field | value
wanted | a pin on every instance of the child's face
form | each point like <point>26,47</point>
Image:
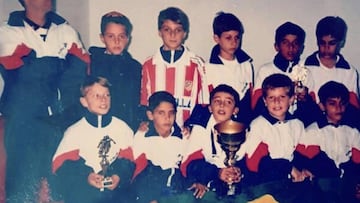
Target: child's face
<point>163,118</point>
<point>329,47</point>
<point>277,101</point>
<point>97,99</point>
<point>222,106</point>
<point>289,47</point>
<point>115,38</point>
<point>39,5</point>
<point>334,108</point>
<point>229,42</point>
<point>172,35</point>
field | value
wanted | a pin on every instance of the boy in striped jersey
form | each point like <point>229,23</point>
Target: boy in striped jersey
<point>173,67</point>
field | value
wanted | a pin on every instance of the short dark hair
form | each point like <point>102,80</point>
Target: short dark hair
<point>117,18</point>
<point>331,25</point>
<point>22,3</point>
<point>90,81</point>
<point>161,96</point>
<point>275,81</point>
<point>224,22</point>
<point>333,89</point>
<point>227,89</point>
<point>289,28</point>
<point>174,14</point>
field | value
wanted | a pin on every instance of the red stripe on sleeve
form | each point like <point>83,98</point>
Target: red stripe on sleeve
<point>354,99</point>
<point>255,97</point>
<point>194,156</point>
<point>310,151</point>
<point>15,60</point>
<point>78,52</point>
<point>59,160</point>
<point>126,154</point>
<point>355,155</point>
<point>140,165</point>
<point>313,95</point>
<point>147,81</point>
<point>253,161</point>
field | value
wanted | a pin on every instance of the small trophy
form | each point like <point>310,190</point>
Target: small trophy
<point>104,147</point>
<point>231,135</point>
<point>298,75</point>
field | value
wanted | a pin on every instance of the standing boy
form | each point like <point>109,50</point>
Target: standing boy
<point>332,145</point>
<point>77,162</point>
<point>159,151</point>
<point>44,63</point>
<point>229,64</point>
<point>289,44</point>
<point>116,64</point>
<point>174,68</point>
<point>327,63</point>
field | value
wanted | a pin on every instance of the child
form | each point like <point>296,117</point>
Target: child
<point>327,63</point>
<point>116,64</point>
<point>289,44</point>
<point>76,163</point>
<point>174,68</point>
<point>333,144</point>
<point>159,150</point>
<point>42,62</point>
<point>271,141</point>
<point>229,64</point>
<point>204,164</point>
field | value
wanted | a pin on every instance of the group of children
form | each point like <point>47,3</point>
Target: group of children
<point>157,120</point>
<point>296,149</point>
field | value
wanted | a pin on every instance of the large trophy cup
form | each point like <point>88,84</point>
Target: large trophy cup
<point>104,147</point>
<point>230,135</point>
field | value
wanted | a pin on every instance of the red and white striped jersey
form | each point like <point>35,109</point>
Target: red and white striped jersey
<point>184,79</point>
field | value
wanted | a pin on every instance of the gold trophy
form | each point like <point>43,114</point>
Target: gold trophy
<point>104,147</point>
<point>231,135</point>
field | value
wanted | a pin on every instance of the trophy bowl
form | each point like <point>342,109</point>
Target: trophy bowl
<point>230,135</point>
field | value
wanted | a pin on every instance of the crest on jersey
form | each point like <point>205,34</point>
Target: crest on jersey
<point>188,85</point>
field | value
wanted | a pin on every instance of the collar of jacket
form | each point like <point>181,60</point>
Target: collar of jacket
<point>152,131</point>
<point>323,122</point>
<point>240,55</point>
<point>283,64</point>
<point>101,51</point>
<point>273,120</point>
<point>313,60</point>
<point>17,18</point>
<point>96,120</point>
<point>166,54</point>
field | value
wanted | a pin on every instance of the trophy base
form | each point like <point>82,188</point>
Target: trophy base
<point>107,182</point>
<point>226,190</point>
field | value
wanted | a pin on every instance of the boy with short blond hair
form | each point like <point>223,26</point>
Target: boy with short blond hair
<point>271,142</point>
<point>77,162</point>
